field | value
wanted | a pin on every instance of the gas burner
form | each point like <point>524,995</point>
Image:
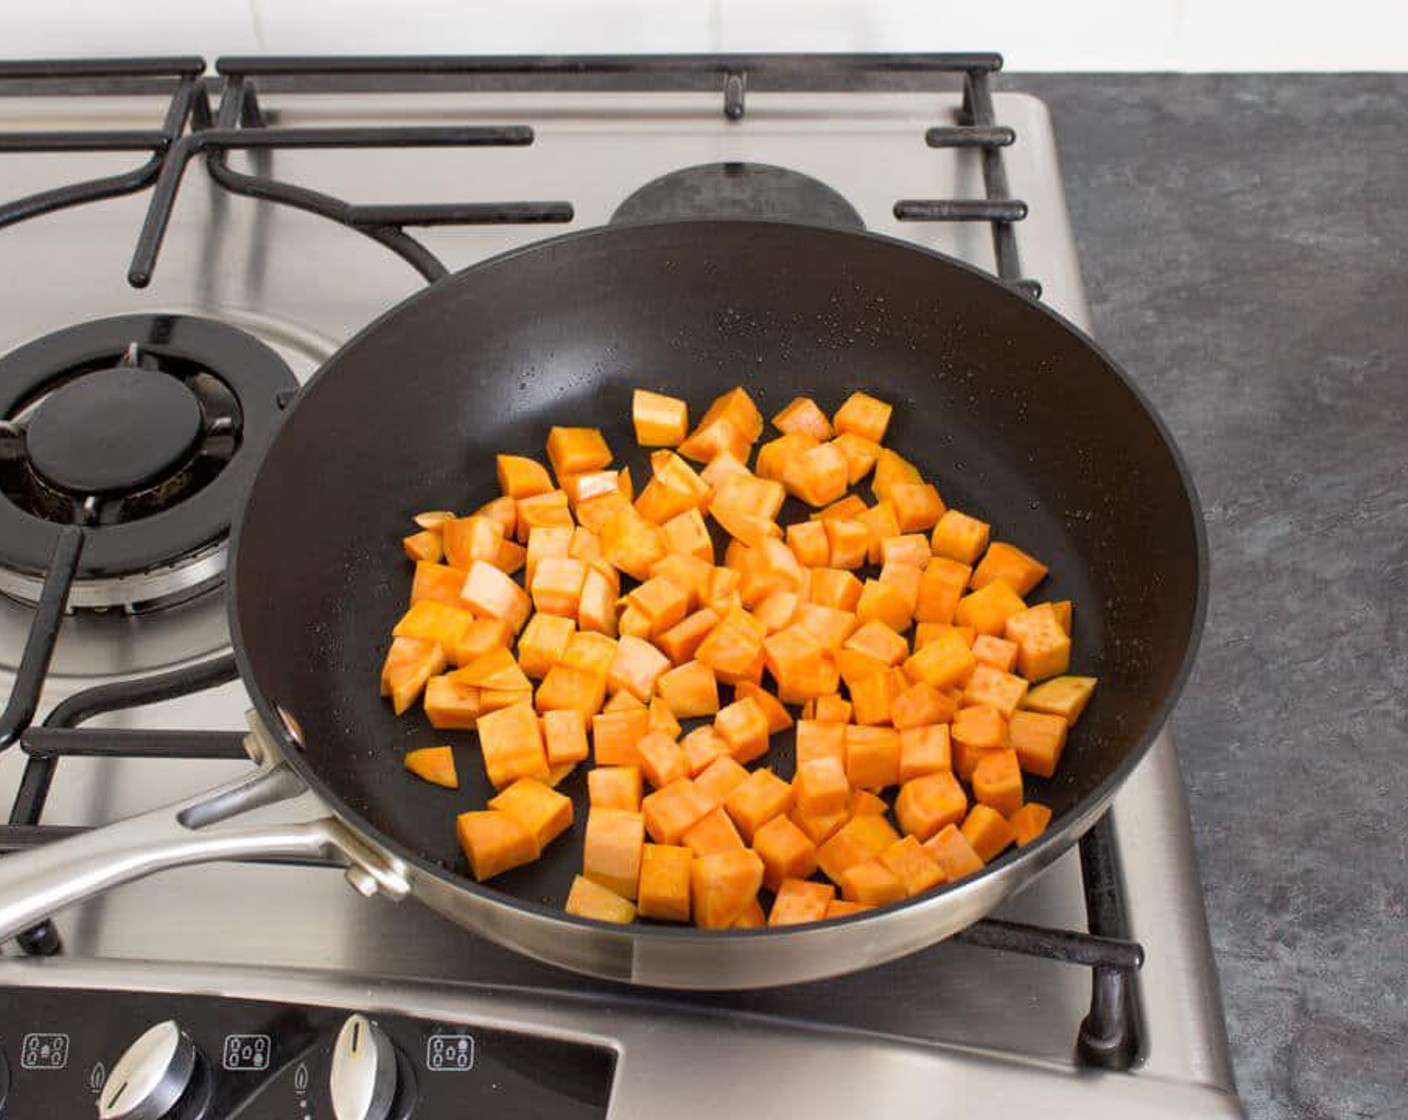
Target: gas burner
<point>739,190</point>
<point>143,428</point>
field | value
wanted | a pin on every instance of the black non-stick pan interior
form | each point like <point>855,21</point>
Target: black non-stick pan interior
<point>1018,419</point>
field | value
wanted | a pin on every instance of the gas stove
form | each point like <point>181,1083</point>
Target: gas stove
<point>229,230</point>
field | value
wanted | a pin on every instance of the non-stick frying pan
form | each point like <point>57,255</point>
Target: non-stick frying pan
<point>1020,419</point>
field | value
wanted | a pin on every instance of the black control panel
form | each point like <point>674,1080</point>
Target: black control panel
<point>273,1061</point>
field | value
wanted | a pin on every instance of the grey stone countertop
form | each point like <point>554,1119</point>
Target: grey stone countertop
<point>1244,243</point>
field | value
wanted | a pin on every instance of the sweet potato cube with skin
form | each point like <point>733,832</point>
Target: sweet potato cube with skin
<point>545,541</point>
<point>925,804</point>
<point>858,840</point>
<point>438,623</point>
<point>631,543</point>
<point>803,415</point>
<point>521,477</point>
<point>954,855</point>
<point>511,742</point>
<point>809,543</point>
<point>818,476</point>
<point>940,590</point>
<point>687,533</point>
<point>743,725</point>
<point>820,740</point>
<point>892,468</point>
<point>659,421</point>
<point>1038,738</point>
<point>777,716</point>
<point>435,765</point>
<point>849,543</point>
<point>832,709</point>
<point>493,843</point>
<point>612,850</point>
<point>425,546</point>
<point>819,827</point>
<point>615,735</point>
<point>490,593</point>
<point>665,882</point>
<point>1008,563</point>
<point>922,704</point>
<point>774,455</point>
<point>860,454</point>
<point>550,509</point>
<point>918,506</point>
<point>786,852</point>
<point>994,689</point>
<point>438,583</point>
<point>571,688</point>
<point>1043,644</point>
<point>910,549</point>
<point>544,812</point>
<point>866,416</point>
<point>673,811</point>
<point>573,450</point>
<point>886,602</point>
<point>680,642</point>
<point>907,860</point>
<point>565,737</point>
<point>661,759</point>
<point>756,800</point>
<point>943,663</point>
<point>848,508</point>
<point>987,831</point>
<point>467,539</point>
<point>615,787</point>
<point>636,667</point>
<point>997,781</point>
<point>543,643</point>
<point>820,787</point>
<point>879,641</point>
<point>959,537</point>
<point>872,697</point>
<point>1029,822</point>
<point>924,750</point>
<point>713,832</point>
<point>997,652</point>
<point>800,901</point>
<point>591,900</point>
<point>722,886</point>
<point>1061,696</point>
<point>880,525</point>
<point>504,510</point>
<point>872,757</point>
<point>691,690</point>
<point>409,664</point>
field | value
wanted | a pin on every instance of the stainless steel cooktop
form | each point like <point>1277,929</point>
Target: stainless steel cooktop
<point>955,1023</point>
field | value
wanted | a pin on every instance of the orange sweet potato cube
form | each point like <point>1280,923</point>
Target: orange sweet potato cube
<point>433,520</point>
<point>855,667</point>
<point>494,842</point>
<point>433,764</point>
<point>943,663</point>
<point>994,689</point>
<point>886,602</point>
<point>786,852</point>
<point>636,667</point>
<point>545,541</point>
<point>1038,738</point>
<point>924,750</point>
<point>773,456</point>
<point>664,886</point>
<point>890,469</point>
<point>691,690</point>
<point>1043,644</point>
<point>980,728</point>
<point>809,543</point>
<point>521,477</point>
<point>1008,563</point>
<point>686,533</point>
<point>681,641</point>
<point>832,708</point>
<point>880,525</point>
<point>733,649</point>
<point>467,539</point>
<point>511,558</point>
<point>631,543</point>
<point>541,510</point>
<point>504,510</point>
<point>921,704</point>
<point>905,578</point>
<point>871,883</point>
<point>615,735</point>
<point>997,781</point>
<point>712,439</point>
<point>879,641</point>
<point>612,850</point>
<point>927,632</point>
<point>831,627</point>
<point>988,831</point>
<point>818,475</point>
<point>659,421</point>
<point>573,450</point>
<point>592,484</point>
<point>940,589</point>
<point>821,787</point>
<point>872,757</point>
<point>822,826</point>
<point>586,899</point>
<point>777,716</point>
<point>691,574</point>
<point>661,759</point>
<point>1063,610</point>
<point>743,725</point>
<point>723,884</point>
<point>1029,822</point>
<point>713,832</point>
<point>490,593</point>
<point>424,547</point>
<point>864,803</point>
<point>543,642</point>
<point>799,901</point>
<point>701,747</point>
<point>571,687</point>
<point>410,663</point>
<point>959,537</point>
<point>720,778</point>
<point>511,742</point>
<point>544,812</point>
<point>918,506</point>
<point>431,621</point>
<point>907,860</point>
<point>911,549</point>
<point>860,453</point>
<point>1061,696</point>
<point>951,850</point>
<point>751,916</point>
<point>873,697</point>
<point>565,737</point>
<point>840,908</point>
<point>756,800</point>
<point>594,513</point>
<point>777,611</point>
<point>614,787</point>
<point>452,705</point>
<point>557,585</point>
<point>848,508</point>
<point>864,415</point>
<point>820,740</point>
<point>439,583</point>
<point>496,669</point>
<point>484,636</point>
<point>835,588</point>
<point>997,652</point>
<point>927,803</point>
<point>848,543</point>
<point>673,811</point>
<point>662,601</point>
<point>659,502</point>
<point>815,677</point>
<point>803,415</point>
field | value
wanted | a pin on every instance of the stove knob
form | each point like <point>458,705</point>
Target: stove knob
<point>151,1077</point>
<point>364,1076</point>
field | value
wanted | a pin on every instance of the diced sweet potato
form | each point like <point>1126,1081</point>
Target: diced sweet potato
<point>1063,609</point>
<point>409,664</point>
<point>777,716</point>
<point>431,621</point>
<point>835,588</point>
<point>995,689</point>
<point>691,574</point>
<point>621,702</point>
<point>483,637</point>
<point>987,831</point>
<point>756,800</point>
<point>701,747</point>
<point>660,502</point>
<point>631,543</point>
<point>1061,696</point>
<point>544,812</point>
<point>691,690</point>
<point>981,728</point>
<point>809,543</point>
<point>545,541</point>
<point>512,745</point>
<point>468,539</point>
<point>573,450</point>
<point>1043,644</point>
<point>886,602</point>
<point>871,883</point>
<point>661,759</point>
<point>752,916</point>
<point>433,764</point>
<point>565,736</point>
<point>864,415</point>
<point>860,454</point>
<point>922,704</point>
<point>665,882</point>
<point>452,705</point>
<point>940,590</point>
<point>595,513</point>
<point>439,583</point>
<point>1038,738</point>
<point>713,832</point>
<point>774,455</point>
<point>1008,563</point>
<point>591,900</point>
<point>504,510</point>
<point>496,669</point>
<point>743,725</point>
<point>816,739</point>
<point>799,901</point>
<point>433,519</point>
<point>682,641</point>
<point>777,611</point>
<point>541,510</point>
<point>615,735</point>
<point>873,696</point>
<point>494,842</point>
<point>832,708</point>
<point>840,908</point>
<point>686,533</point>
<point>723,884</point>
<point>848,543</point>
<point>659,421</point>
<point>819,827</point>
<point>907,860</point>
<point>424,547</point>
<point>521,477</point>
<point>489,592</point>
<point>732,649</point>
<point>636,668</point>
<point>673,811</point>
<point>1029,822</point>
<point>592,484</point>
<point>818,476</point>
<point>953,853</point>
<point>848,508</point>
<point>821,787</point>
<point>872,757</point>
<point>543,643</point>
<point>890,469</point>
<point>570,687</point>
<point>879,640</point>
<point>803,415</point>
<point>924,750</point>
<point>927,803</point>
<point>943,663</point>
<point>786,851</point>
<point>615,787</point>
<point>997,652</point>
<point>959,537</point>
<point>864,803</point>
<point>997,781</point>
<point>612,849</point>
<point>918,506</point>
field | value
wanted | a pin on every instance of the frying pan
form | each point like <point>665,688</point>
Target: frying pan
<point>1020,419</point>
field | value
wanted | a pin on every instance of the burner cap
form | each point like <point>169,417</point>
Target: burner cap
<point>739,190</point>
<point>115,430</point>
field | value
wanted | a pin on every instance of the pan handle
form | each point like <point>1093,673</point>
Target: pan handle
<point>35,884</point>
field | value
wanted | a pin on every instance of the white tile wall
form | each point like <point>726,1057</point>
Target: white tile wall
<point>1032,34</point>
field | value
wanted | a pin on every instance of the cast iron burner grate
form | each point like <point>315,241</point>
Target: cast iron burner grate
<point>145,430</point>
<point>1109,1036</point>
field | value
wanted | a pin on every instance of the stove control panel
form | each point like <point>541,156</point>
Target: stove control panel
<point>154,1056</point>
